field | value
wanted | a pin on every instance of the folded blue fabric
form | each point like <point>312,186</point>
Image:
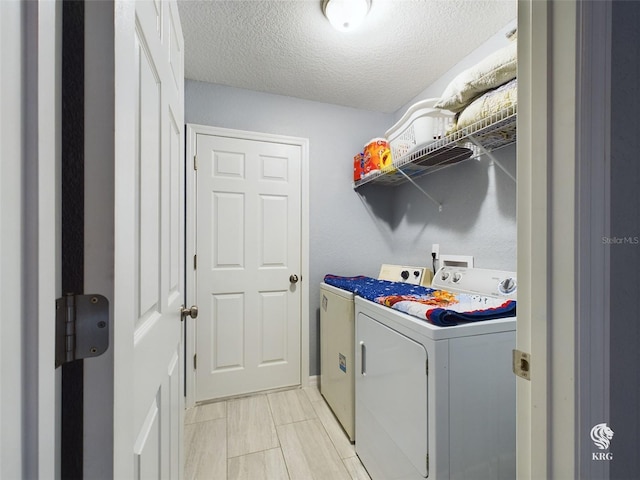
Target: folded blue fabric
<point>447,318</point>
<point>372,288</point>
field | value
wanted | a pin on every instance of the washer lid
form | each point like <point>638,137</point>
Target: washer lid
<point>336,291</point>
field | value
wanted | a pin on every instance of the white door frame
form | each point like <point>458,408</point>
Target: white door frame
<point>563,213</point>
<point>34,455</point>
<point>593,215</point>
<point>29,240</point>
<point>99,207</point>
<point>192,131</point>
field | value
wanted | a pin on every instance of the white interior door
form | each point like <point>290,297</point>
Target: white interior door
<point>248,333</point>
<point>149,240</point>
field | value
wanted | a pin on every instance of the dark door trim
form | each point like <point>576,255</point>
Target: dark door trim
<point>72,247</point>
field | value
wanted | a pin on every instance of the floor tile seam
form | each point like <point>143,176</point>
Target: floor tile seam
<point>358,459</point>
<point>196,424</point>
<point>245,397</point>
<point>306,392</point>
<point>338,450</point>
<point>202,405</point>
<point>273,418</point>
<point>268,407</point>
<point>205,403</point>
<point>310,456</point>
<point>331,444</point>
<point>205,420</point>
<point>286,466</point>
<point>302,453</point>
<point>288,422</point>
<point>347,469</point>
<point>257,451</point>
<point>270,414</point>
<point>226,441</point>
<point>300,421</point>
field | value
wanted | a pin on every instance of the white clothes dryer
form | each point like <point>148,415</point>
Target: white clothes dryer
<point>437,402</point>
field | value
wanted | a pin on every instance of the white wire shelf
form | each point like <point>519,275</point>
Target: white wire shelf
<point>484,136</point>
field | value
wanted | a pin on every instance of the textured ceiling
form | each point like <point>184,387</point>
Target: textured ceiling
<point>288,47</point>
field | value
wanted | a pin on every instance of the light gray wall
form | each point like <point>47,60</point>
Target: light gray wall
<point>347,236</point>
<point>353,232</point>
<point>478,214</point>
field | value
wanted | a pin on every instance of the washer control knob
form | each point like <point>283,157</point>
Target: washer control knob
<point>444,275</point>
<point>507,286</point>
<point>456,277</point>
<point>404,274</point>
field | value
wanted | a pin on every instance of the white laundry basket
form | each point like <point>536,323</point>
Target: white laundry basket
<point>421,125</point>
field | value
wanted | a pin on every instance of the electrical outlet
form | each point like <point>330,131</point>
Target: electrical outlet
<point>435,248</point>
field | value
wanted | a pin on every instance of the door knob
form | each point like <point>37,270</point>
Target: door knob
<point>293,278</point>
<point>188,312</point>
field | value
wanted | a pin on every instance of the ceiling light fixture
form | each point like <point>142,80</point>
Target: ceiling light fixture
<point>345,15</point>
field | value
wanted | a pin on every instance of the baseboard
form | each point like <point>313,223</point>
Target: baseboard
<point>314,380</point>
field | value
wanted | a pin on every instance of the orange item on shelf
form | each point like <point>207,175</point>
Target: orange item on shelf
<point>377,155</point>
<point>358,161</point>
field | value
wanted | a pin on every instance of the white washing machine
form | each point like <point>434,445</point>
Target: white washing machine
<point>337,337</point>
<point>437,402</point>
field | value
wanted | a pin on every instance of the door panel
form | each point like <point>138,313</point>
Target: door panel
<point>248,245</point>
<point>227,232</point>
<point>149,250</point>
<point>273,308</point>
<point>149,174</point>
<point>227,335</point>
<point>273,218</point>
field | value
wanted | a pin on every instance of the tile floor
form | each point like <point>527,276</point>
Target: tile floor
<point>290,434</point>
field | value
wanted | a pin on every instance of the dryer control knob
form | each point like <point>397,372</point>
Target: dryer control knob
<point>507,286</point>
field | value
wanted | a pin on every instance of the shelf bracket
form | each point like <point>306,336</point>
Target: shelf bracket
<point>421,189</point>
<point>482,151</point>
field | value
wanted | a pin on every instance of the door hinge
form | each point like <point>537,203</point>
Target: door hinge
<point>195,262</point>
<point>195,162</point>
<point>82,327</point>
<point>522,364</point>
<point>427,463</point>
<point>426,367</point>
<point>195,361</point>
